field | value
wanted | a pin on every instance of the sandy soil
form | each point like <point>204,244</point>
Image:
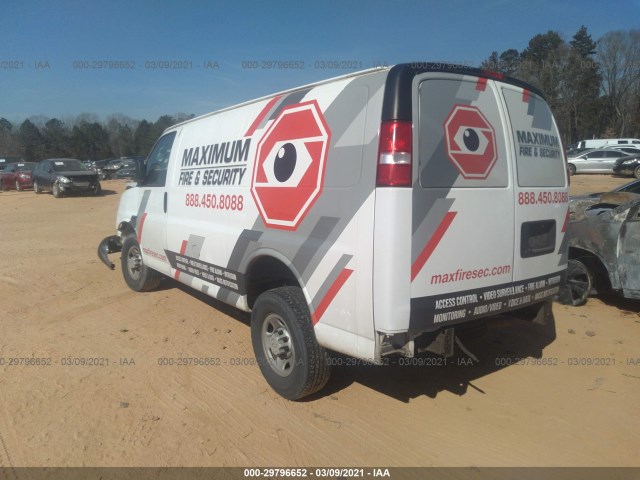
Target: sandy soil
<point>60,303</point>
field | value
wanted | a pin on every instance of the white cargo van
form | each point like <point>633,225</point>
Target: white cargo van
<point>369,214</point>
<point>603,142</point>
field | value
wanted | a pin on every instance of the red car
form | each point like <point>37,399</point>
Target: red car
<point>17,175</point>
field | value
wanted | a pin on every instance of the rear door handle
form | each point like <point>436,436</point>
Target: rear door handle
<point>165,202</point>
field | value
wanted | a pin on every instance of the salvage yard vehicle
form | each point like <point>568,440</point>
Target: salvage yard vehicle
<point>629,165</point>
<point>600,160</point>
<point>17,175</point>
<point>370,214</point>
<point>604,247</point>
<point>631,187</point>
<point>114,166</point>
<point>6,160</point>
<point>601,142</point>
<point>63,176</point>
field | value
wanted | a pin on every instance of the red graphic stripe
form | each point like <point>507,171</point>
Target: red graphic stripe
<point>256,123</point>
<point>566,221</point>
<point>525,95</point>
<point>481,84</point>
<point>331,294</point>
<point>183,248</point>
<point>432,244</point>
<point>142,219</point>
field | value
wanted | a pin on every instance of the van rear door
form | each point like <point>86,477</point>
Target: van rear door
<point>489,200</point>
<point>463,200</point>
<point>541,194</point>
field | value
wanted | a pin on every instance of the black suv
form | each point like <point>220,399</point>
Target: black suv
<point>65,175</point>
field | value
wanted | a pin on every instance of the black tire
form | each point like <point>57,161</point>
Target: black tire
<point>285,345</point>
<point>572,169</point>
<point>18,186</point>
<point>138,276</point>
<point>579,284</point>
<point>97,190</point>
<point>636,172</point>
<point>56,190</point>
<point>3,187</point>
<point>36,188</point>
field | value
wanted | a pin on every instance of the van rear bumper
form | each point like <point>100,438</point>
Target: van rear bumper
<point>432,313</point>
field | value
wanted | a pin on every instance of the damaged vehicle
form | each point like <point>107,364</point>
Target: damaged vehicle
<point>604,247</point>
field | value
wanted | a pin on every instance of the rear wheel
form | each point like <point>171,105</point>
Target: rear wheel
<point>636,172</point>
<point>36,187</point>
<point>138,276</point>
<point>3,187</point>
<point>285,345</point>
<point>579,284</point>
<point>572,169</point>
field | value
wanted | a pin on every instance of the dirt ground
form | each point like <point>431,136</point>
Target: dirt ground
<point>60,304</point>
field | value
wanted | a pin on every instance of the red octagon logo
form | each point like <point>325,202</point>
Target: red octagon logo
<point>471,142</point>
<point>288,172</point>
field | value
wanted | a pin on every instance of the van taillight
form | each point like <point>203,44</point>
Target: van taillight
<point>394,158</point>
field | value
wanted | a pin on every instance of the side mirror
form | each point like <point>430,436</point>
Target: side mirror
<point>141,170</point>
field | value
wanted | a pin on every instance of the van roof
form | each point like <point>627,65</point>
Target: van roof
<point>399,79</point>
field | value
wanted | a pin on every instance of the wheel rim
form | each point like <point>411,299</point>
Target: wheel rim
<point>277,345</point>
<point>578,282</point>
<point>134,263</point>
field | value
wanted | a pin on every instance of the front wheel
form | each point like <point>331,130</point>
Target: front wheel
<point>636,172</point>
<point>572,169</point>
<point>97,189</point>
<point>36,187</point>
<point>285,345</point>
<point>3,187</point>
<point>138,276</point>
<point>18,186</point>
<point>56,190</point>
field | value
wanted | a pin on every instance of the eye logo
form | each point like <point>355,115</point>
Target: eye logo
<point>470,142</point>
<point>286,163</point>
<point>288,172</point>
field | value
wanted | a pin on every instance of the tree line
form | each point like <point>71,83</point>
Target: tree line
<point>83,137</point>
<point>592,87</point>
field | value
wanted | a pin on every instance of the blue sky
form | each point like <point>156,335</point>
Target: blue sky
<point>63,36</point>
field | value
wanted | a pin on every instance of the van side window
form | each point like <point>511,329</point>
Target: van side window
<point>158,161</point>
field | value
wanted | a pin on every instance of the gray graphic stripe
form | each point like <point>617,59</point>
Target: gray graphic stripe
<point>194,248</point>
<point>237,256</point>
<point>314,242</point>
<point>331,278</point>
<point>290,99</point>
<point>142,207</point>
<point>429,224</point>
<point>240,249</point>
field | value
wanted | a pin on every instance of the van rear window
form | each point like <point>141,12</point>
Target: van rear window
<point>539,157</point>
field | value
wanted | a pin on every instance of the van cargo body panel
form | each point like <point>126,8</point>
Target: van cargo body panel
<point>356,213</point>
